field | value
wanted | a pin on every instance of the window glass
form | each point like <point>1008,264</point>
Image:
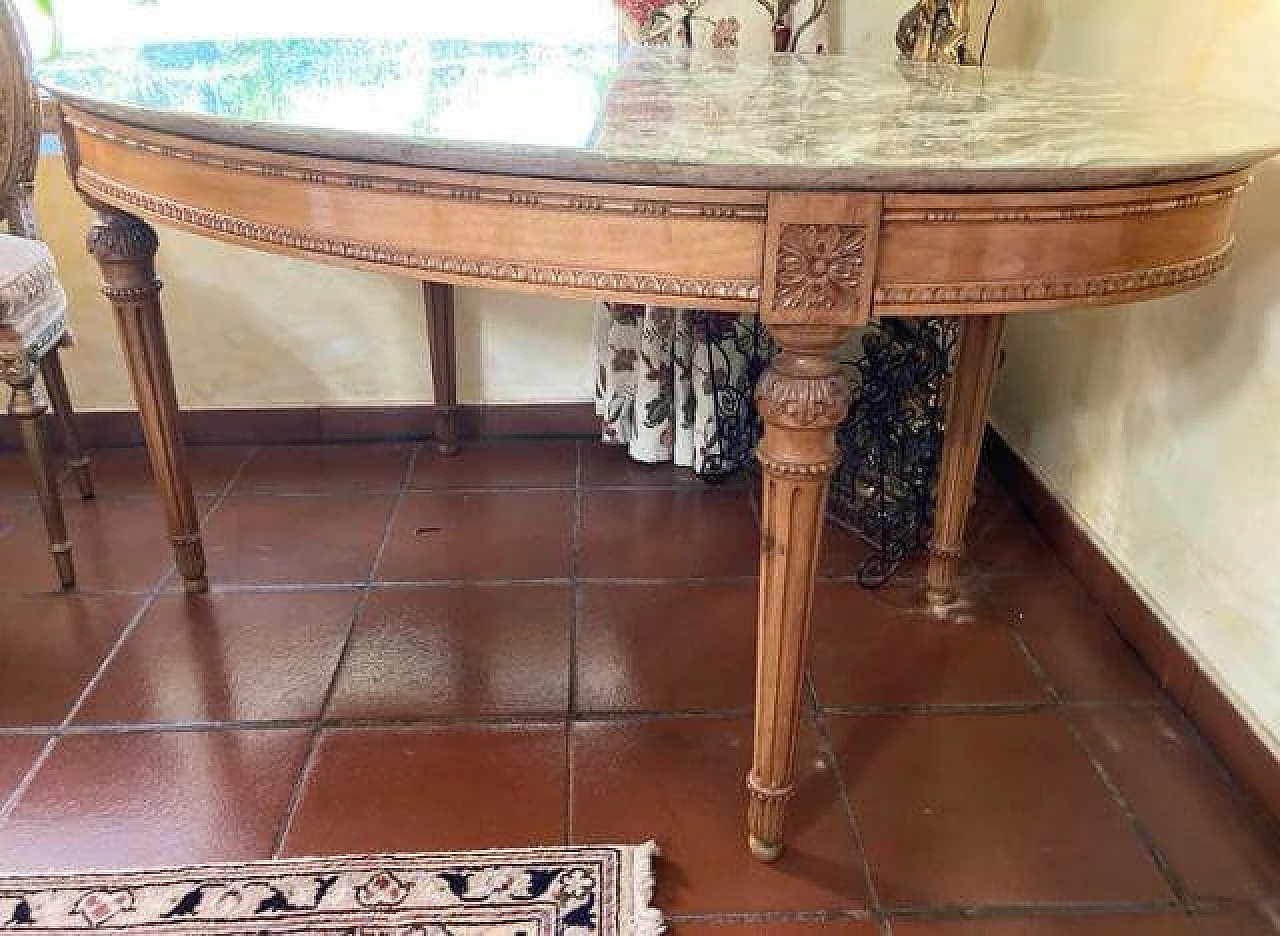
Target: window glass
<point>86,24</point>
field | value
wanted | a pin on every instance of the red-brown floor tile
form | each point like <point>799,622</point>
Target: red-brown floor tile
<point>225,657</point>
<point>142,799</point>
<point>666,647</point>
<point>479,535</point>
<point>115,544</point>
<point>325,469</point>
<point>17,755</point>
<point>515,463</point>
<point>290,540</point>
<point>843,552</point>
<point>1167,924</point>
<point>433,789</point>
<point>965,810</point>
<point>50,646</point>
<point>774,928</point>
<point>606,464</point>
<point>486,650</point>
<point>867,653</point>
<point>1260,920</point>
<point>687,533</point>
<point>1084,656</point>
<point>125,472</point>
<point>1003,544</point>
<point>681,782</point>
<point>15,476</point>
<point>1216,844</point>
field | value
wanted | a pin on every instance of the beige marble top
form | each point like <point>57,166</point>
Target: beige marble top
<point>593,112</point>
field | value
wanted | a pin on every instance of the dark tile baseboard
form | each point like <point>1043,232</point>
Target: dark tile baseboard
<point>1245,754</point>
<point>301,425</point>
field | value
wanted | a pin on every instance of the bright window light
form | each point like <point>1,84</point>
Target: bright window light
<point>85,24</point>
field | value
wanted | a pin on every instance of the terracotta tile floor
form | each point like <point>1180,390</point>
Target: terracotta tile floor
<point>540,642</point>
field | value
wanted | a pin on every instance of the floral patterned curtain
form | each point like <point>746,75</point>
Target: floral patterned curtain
<point>654,375</point>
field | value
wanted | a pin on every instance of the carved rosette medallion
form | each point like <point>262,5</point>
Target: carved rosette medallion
<point>820,268</point>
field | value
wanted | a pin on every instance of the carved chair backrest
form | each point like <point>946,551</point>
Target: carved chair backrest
<point>19,123</point>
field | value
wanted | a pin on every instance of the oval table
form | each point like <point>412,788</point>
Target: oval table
<point>821,192</point>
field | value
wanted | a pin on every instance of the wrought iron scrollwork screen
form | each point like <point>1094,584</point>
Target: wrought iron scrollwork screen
<point>890,442</point>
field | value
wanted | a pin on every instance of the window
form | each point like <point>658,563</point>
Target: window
<point>84,24</point>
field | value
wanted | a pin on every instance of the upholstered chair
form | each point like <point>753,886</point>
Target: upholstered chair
<point>33,322</point>
<point>654,386</point>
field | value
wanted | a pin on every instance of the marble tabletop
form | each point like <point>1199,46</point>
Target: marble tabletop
<point>596,112</point>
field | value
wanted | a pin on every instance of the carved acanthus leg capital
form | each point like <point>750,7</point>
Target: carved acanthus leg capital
<point>802,399</point>
<point>125,248</point>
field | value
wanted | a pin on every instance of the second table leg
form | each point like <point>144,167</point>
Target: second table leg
<point>968,400</point>
<point>437,298</point>
<point>125,248</point>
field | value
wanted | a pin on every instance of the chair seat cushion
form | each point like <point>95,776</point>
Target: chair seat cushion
<point>33,306</point>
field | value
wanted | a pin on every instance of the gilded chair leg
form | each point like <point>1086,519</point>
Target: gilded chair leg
<point>55,383</point>
<point>29,406</point>
<point>802,398</point>
<point>968,400</point>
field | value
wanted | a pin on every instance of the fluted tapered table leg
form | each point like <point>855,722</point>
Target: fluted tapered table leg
<point>437,300</point>
<point>802,398</point>
<point>125,248</point>
<point>968,400</point>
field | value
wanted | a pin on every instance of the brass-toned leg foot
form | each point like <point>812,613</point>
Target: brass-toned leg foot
<point>941,583</point>
<point>447,431</point>
<point>188,552</point>
<point>766,853</point>
<point>66,568</point>
<point>198,586</point>
<point>84,480</point>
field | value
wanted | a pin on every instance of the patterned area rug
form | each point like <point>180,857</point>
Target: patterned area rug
<point>587,891</point>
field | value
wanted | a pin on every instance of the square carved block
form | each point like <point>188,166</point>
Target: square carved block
<point>820,253</point>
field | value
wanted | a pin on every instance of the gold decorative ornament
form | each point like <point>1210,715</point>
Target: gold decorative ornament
<point>935,31</point>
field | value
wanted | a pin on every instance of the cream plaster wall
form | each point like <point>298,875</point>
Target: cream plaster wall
<point>248,329</point>
<point>1157,425</point>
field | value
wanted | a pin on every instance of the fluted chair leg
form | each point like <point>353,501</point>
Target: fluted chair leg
<point>55,382</point>
<point>29,406</point>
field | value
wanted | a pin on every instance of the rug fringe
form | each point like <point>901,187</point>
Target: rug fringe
<point>646,920</point>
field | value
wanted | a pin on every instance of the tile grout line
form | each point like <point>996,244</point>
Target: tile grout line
<point>1065,714</point>
<point>148,601</point>
<point>1053,911</point>
<point>819,720</point>
<point>1173,880</point>
<point>318,723</point>
<point>575,610</point>
<point>771,916</point>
